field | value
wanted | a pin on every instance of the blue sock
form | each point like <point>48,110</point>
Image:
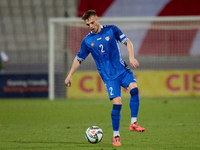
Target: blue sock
<point>134,102</point>
<point>115,115</point>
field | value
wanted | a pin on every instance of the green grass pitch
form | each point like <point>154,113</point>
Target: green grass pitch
<point>40,124</point>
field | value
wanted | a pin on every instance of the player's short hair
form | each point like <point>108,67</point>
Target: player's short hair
<point>88,14</point>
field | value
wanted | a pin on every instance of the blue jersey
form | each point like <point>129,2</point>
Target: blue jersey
<point>105,51</point>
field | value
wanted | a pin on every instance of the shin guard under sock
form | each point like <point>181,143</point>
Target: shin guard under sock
<point>134,102</point>
<point>115,115</point>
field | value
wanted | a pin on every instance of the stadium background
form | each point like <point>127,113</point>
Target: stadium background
<point>24,30</point>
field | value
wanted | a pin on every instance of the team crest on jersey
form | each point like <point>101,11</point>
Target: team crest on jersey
<point>92,44</point>
<point>107,38</point>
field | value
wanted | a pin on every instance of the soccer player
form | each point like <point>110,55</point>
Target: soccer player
<point>102,44</point>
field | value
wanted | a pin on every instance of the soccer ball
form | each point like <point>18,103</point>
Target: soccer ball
<point>94,134</point>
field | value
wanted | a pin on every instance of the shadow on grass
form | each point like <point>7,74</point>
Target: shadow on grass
<point>77,144</point>
<point>45,142</point>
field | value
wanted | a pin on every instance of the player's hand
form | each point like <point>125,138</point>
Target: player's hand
<point>134,63</point>
<point>68,81</point>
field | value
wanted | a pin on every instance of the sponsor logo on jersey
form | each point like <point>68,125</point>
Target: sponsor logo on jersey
<point>99,39</point>
<point>92,44</point>
<point>107,38</point>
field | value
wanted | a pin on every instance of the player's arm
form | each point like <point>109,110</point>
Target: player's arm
<point>133,62</point>
<point>76,63</point>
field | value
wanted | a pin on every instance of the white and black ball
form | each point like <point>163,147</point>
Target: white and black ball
<point>94,134</point>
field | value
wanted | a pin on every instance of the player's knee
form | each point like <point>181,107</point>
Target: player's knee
<point>131,86</point>
<point>117,100</point>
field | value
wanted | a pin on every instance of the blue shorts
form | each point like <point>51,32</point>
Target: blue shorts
<point>114,86</point>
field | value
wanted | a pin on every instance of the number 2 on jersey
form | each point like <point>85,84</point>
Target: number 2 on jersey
<point>111,90</point>
<point>101,46</point>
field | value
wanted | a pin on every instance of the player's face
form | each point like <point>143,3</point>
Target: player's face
<point>93,23</point>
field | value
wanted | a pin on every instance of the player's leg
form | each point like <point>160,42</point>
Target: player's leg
<point>134,106</point>
<point>129,82</point>
<point>116,116</point>
<point>114,92</point>
<point>134,101</point>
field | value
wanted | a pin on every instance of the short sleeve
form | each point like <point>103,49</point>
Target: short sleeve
<point>83,52</point>
<point>120,36</point>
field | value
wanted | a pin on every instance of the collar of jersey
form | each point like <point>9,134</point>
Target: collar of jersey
<point>96,33</point>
